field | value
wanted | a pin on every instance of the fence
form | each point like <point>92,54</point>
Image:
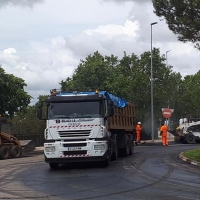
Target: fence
<point>38,138</point>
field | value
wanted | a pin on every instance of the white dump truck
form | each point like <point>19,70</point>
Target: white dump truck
<point>86,126</point>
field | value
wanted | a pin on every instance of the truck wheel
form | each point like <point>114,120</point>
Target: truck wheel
<point>115,153</point>
<point>131,145</point>
<point>190,138</point>
<point>106,162</point>
<point>15,151</point>
<point>53,166</point>
<point>127,148</point>
<point>4,152</point>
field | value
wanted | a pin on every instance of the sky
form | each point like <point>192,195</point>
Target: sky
<point>43,41</point>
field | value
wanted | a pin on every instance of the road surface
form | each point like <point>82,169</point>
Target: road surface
<point>153,173</point>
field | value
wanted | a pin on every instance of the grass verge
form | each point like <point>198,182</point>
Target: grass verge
<point>193,154</point>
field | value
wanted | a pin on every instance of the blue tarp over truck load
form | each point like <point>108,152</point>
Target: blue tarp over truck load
<point>118,102</point>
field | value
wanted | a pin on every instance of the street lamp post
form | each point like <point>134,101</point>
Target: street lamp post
<point>166,57</point>
<point>167,121</point>
<point>152,114</point>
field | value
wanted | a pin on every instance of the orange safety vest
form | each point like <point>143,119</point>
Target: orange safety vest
<point>164,129</point>
<point>138,127</point>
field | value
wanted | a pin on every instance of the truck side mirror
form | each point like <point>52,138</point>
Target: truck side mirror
<point>110,103</point>
<point>110,111</point>
<point>40,105</point>
<point>39,110</point>
<point>39,113</point>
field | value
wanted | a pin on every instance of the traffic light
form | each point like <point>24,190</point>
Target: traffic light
<point>180,88</point>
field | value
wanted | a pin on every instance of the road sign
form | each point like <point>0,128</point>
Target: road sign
<point>167,112</point>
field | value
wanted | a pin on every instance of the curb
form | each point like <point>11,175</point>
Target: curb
<point>182,157</point>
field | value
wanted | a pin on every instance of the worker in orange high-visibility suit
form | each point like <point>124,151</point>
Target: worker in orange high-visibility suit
<point>163,132</point>
<point>138,132</point>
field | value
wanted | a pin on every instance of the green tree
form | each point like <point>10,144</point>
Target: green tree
<point>26,122</point>
<point>182,17</point>
<point>191,93</point>
<point>13,97</point>
<point>95,72</point>
<point>136,86</point>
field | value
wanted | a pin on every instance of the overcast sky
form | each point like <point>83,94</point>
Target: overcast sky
<point>42,41</point>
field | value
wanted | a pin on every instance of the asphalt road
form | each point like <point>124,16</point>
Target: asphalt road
<point>153,173</point>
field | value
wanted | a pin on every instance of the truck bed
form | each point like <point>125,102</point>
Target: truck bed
<point>123,118</point>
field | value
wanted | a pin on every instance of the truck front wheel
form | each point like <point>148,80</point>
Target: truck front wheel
<point>53,166</point>
<point>115,149</point>
<point>127,145</point>
<point>131,145</point>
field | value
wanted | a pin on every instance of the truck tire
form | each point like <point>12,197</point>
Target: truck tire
<point>4,152</point>
<point>190,138</point>
<point>131,145</point>
<point>127,146</point>
<point>106,163</point>
<point>15,151</point>
<point>115,153</point>
<point>53,166</point>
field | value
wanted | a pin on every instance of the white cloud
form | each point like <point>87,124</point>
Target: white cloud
<point>112,30</point>
<point>43,67</point>
<point>9,51</point>
<point>20,2</point>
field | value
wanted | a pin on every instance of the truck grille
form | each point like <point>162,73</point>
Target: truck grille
<point>74,133</point>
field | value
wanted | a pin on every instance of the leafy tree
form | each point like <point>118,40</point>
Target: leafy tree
<point>95,72</point>
<point>182,17</point>
<point>13,97</point>
<point>191,93</point>
<point>26,121</point>
<point>137,88</point>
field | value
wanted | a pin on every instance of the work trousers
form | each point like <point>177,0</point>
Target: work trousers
<point>137,136</point>
<point>164,139</point>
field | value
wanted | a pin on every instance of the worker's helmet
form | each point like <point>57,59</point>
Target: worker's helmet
<point>139,122</point>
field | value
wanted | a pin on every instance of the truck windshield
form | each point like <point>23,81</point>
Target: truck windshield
<point>72,110</point>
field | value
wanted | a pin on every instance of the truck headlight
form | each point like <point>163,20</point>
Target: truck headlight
<point>50,149</point>
<point>99,147</point>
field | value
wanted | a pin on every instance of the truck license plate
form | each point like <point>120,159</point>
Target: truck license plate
<point>74,148</point>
